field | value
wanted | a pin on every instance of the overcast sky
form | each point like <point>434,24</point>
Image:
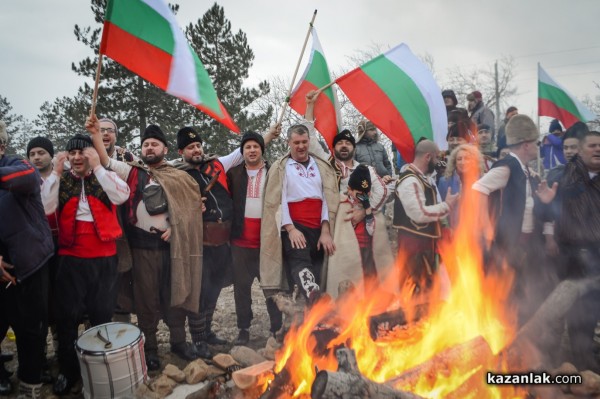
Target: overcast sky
<point>38,44</point>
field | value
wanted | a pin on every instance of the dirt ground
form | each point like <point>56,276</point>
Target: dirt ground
<point>224,325</point>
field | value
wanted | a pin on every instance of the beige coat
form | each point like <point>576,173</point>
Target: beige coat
<point>185,217</point>
<point>346,262</point>
<point>272,273</point>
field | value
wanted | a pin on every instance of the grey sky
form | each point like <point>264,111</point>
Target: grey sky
<point>38,45</point>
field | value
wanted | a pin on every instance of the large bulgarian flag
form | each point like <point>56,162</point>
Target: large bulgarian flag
<point>316,75</point>
<point>399,95</point>
<point>144,37</point>
<point>556,102</point>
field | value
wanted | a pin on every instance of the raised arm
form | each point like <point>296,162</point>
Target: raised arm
<point>92,125</point>
<point>122,169</point>
<point>273,133</point>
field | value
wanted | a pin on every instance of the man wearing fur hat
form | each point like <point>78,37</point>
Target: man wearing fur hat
<point>366,254</point>
<point>353,213</point>
<point>247,184</point>
<point>210,171</point>
<point>417,216</point>
<point>342,160</point>
<point>479,112</point>
<point>85,198</point>
<point>511,187</point>
<point>25,248</point>
<point>164,229</point>
<point>370,151</point>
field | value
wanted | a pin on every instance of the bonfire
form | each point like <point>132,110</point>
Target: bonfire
<point>433,344</point>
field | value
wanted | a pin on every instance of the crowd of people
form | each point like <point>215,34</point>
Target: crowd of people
<point>94,231</point>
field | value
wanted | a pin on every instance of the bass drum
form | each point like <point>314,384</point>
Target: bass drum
<point>112,360</point>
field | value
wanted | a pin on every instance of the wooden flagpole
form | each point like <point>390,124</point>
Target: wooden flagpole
<point>287,97</point>
<point>327,86</point>
<point>95,94</point>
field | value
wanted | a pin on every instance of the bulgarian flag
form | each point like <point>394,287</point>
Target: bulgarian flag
<point>398,94</point>
<point>144,37</point>
<point>556,102</point>
<point>327,109</point>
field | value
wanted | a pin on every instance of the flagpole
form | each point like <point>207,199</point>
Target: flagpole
<point>96,83</point>
<point>287,97</point>
<point>539,158</point>
<point>327,86</point>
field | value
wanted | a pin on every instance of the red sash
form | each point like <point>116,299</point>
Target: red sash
<point>250,237</point>
<point>306,212</point>
<point>87,244</point>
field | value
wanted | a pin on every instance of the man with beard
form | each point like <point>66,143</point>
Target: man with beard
<point>163,226</point>
<point>417,216</point>
<point>124,306</point>
<point>210,172</point>
<point>110,132</point>
<point>343,162</point>
<point>375,248</point>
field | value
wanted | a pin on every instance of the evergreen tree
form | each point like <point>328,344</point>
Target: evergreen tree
<point>227,58</point>
<point>134,103</point>
<point>15,127</point>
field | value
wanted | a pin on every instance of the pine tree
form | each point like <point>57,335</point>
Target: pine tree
<point>227,57</point>
<point>17,135</point>
<point>134,103</point>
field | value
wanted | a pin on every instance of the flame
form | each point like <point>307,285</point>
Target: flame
<point>469,307</point>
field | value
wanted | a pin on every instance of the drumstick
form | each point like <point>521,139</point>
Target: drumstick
<point>107,343</point>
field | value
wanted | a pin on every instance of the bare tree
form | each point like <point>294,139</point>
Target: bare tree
<point>483,78</point>
<point>350,115</point>
<point>593,103</point>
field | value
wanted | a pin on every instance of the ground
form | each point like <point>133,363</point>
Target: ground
<point>224,325</point>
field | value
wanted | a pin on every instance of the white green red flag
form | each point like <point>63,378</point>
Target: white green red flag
<point>144,37</point>
<point>399,95</point>
<point>316,75</point>
<point>556,102</point>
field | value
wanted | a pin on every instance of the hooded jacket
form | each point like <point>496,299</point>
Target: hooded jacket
<point>371,152</point>
<point>25,237</point>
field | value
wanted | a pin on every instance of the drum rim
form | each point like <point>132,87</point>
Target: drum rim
<point>110,351</point>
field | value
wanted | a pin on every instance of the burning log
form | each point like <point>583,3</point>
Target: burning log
<point>388,320</point>
<point>459,359</point>
<point>254,375</point>
<point>279,387</point>
<point>348,382</point>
